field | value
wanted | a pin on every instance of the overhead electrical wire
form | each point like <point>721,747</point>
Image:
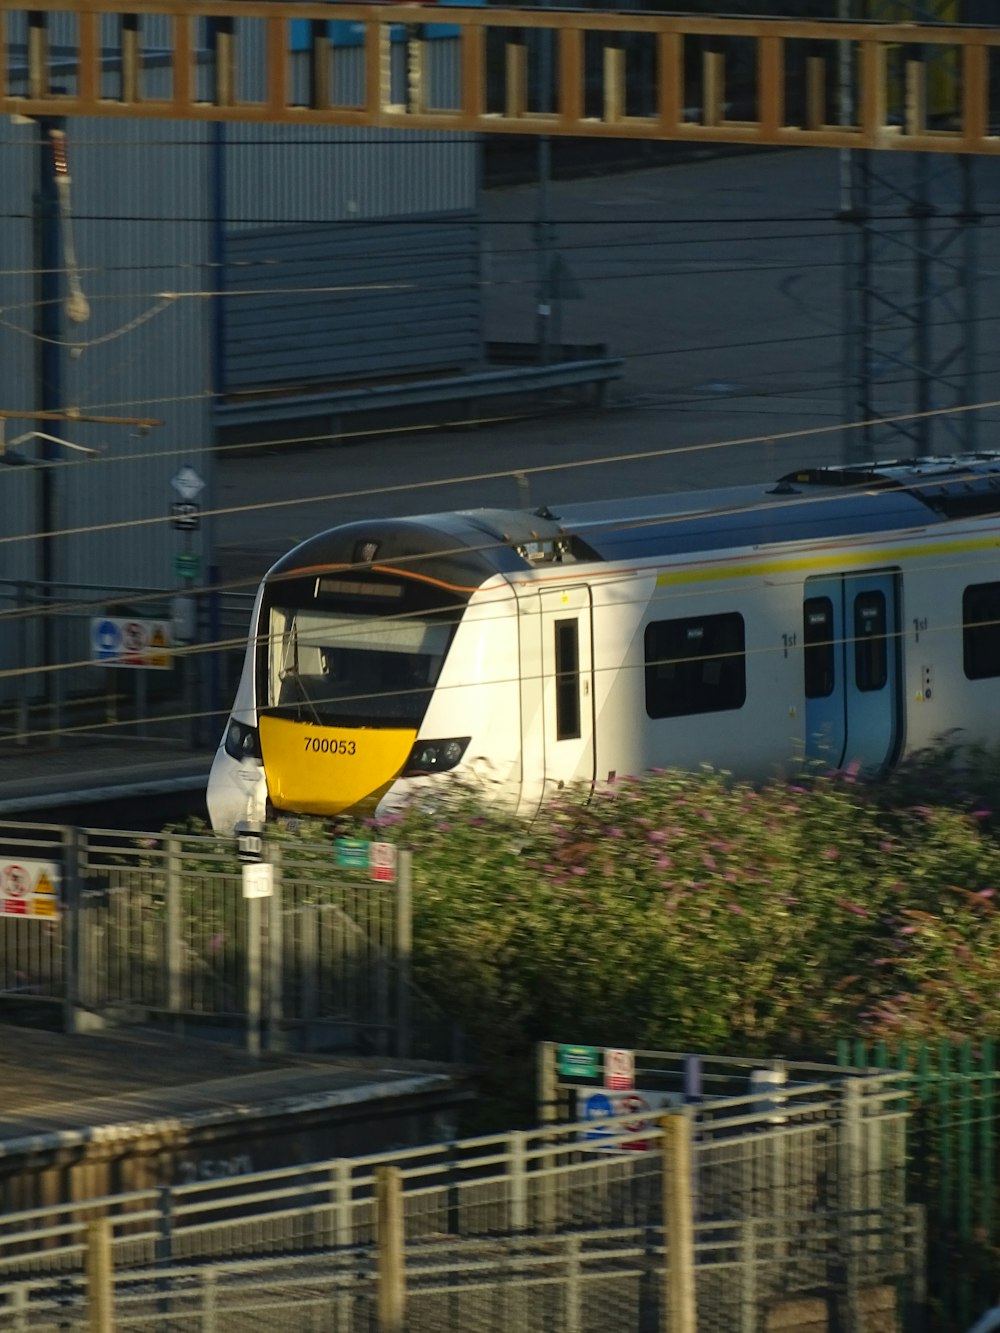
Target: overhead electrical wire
<point>529,470</point>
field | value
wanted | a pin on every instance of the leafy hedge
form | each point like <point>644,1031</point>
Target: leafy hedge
<point>694,912</point>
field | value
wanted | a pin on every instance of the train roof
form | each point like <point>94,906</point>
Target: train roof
<point>811,504</point>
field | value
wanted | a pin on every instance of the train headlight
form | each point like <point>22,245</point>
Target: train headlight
<point>242,741</point>
<point>435,756</point>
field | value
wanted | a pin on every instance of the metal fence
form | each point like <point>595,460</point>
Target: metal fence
<point>534,1229</point>
<point>51,684</point>
<point>155,929</point>
<point>954,1164</point>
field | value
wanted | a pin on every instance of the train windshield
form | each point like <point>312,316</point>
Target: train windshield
<point>353,669</point>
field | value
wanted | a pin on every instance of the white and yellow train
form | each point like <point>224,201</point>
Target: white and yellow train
<point>848,615</point>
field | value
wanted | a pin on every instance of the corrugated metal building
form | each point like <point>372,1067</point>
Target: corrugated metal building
<point>213,260</point>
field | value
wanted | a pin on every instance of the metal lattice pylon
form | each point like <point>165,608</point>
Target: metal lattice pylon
<point>910,343</point>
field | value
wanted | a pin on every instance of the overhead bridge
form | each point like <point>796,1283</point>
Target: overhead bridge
<point>517,71</point>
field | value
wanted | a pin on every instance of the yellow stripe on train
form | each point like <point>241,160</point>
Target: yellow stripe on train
<point>323,770</point>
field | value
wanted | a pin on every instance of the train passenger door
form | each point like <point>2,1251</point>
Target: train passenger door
<point>851,663</point>
<point>567,686</point>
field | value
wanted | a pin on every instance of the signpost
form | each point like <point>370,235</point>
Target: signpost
<point>185,518</point>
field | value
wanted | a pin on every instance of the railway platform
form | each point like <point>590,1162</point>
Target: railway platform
<point>48,781</point>
<point>89,1115</point>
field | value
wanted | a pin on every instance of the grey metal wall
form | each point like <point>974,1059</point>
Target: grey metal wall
<point>152,202</point>
<point>141,231</point>
<point>309,210</point>
<point>354,300</point>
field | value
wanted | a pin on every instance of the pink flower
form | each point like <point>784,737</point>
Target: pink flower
<point>735,907</point>
<point>657,836</point>
<point>830,854</point>
<point>852,907</point>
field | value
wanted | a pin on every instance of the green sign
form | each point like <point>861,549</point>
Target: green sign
<point>578,1061</point>
<point>187,565</point>
<point>351,852</point>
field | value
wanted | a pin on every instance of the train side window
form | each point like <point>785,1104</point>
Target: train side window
<point>871,660</point>
<point>567,679</point>
<point>981,630</point>
<point>695,665</point>
<point>818,651</point>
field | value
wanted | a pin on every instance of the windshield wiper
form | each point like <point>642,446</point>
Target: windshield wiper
<point>292,673</point>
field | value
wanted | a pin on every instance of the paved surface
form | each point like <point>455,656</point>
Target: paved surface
<point>58,1084</point>
<point>48,782</point>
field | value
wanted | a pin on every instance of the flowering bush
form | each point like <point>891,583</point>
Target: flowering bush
<point>693,912</point>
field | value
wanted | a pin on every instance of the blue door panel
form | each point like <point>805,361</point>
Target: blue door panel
<point>852,670</point>
<point>826,715</point>
<point>871,669</point>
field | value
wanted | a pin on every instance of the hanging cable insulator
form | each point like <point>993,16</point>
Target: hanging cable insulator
<point>77,305</point>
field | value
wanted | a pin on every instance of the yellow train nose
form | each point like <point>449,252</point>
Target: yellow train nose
<point>324,770</point>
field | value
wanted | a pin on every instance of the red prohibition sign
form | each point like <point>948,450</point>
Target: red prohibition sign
<point>16,882</point>
<point>133,637</point>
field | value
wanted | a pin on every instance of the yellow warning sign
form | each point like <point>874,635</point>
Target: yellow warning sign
<point>157,639</point>
<point>29,888</point>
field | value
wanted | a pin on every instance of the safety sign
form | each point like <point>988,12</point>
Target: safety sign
<point>597,1108</point>
<point>29,889</point>
<point>116,641</point>
<point>378,858</point>
<point>619,1068</point>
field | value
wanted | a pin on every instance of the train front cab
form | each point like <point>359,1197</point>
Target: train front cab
<point>340,678</point>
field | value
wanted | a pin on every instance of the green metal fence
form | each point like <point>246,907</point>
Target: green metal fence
<point>953,1168</point>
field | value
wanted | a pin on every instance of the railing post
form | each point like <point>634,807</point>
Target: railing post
<point>71,893</point>
<point>574,1293</point>
<point>209,1284</point>
<point>275,1034</point>
<point>391,1239</point>
<point>748,1276</point>
<point>18,1309</point>
<point>404,948</point>
<point>679,1311</point>
<point>547,1092</point>
<point>100,1284</point>
<point>547,1089</point>
<point>165,1229</point>
<point>850,1198</point>
<point>518,1219</point>
<point>165,1247</point>
<point>343,1225</point>
<point>253,997</point>
<point>173,929</point>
